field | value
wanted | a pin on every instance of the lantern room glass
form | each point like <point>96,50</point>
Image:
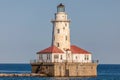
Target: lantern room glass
<point>61,8</point>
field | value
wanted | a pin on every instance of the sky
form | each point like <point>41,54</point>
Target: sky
<point>26,28</point>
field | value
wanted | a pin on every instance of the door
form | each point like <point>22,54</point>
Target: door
<point>67,73</point>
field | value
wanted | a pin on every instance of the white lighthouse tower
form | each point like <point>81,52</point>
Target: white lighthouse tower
<point>61,31</point>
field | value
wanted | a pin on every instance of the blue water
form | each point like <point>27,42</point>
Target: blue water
<point>15,68</point>
<point>105,72</point>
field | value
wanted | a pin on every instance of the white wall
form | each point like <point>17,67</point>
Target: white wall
<point>50,57</point>
<point>81,58</point>
<point>45,57</point>
<point>56,57</point>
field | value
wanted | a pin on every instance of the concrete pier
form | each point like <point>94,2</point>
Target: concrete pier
<point>65,69</point>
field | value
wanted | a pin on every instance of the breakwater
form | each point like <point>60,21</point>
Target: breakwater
<point>22,75</point>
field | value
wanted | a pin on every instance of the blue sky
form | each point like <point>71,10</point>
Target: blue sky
<point>25,28</point>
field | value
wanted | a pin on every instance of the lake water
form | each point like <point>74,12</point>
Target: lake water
<point>105,72</point>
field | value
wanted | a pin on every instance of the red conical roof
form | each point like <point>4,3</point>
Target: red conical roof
<point>51,49</point>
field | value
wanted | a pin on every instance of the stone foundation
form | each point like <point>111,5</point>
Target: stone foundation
<point>65,69</point>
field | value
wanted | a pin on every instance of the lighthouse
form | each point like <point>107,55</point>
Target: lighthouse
<point>61,49</point>
<point>61,58</point>
<point>61,30</point>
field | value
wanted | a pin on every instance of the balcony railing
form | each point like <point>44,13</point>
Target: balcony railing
<point>34,61</point>
<point>95,61</point>
<point>72,61</point>
<point>38,61</point>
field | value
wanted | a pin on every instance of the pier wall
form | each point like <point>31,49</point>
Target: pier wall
<point>66,69</point>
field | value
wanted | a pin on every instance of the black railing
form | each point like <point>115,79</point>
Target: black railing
<point>39,61</point>
<point>95,61</point>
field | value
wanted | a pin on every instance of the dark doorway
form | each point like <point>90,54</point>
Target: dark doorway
<point>67,72</point>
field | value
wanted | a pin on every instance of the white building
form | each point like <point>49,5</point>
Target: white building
<point>61,49</point>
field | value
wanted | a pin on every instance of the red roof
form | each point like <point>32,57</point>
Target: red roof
<point>75,49</point>
<point>51,49</point>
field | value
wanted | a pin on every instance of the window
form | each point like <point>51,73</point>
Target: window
<point>86,57</point>
<point>58,30</point>
<point>58,44</point>
<point>65,24</point>
<point>65,37</point>
<point>48,56</point>
<point>40,56</point>
<point>61,57</point>
<point>56,56</point>
<point>76,57</point>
